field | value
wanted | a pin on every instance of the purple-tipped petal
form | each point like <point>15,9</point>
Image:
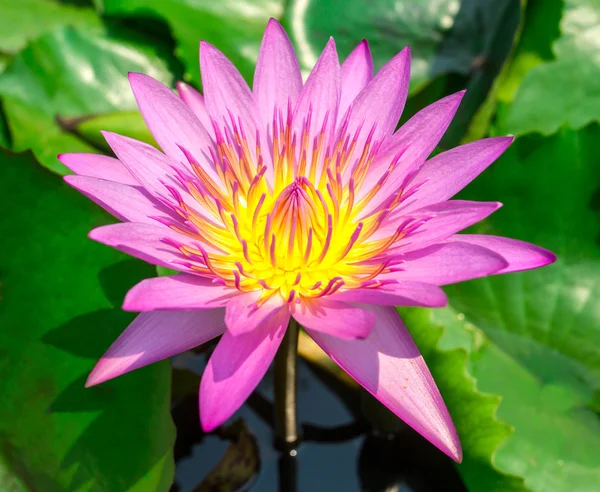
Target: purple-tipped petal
<point>235,368</point>
<point>171,122</point>
<point>519,255</point>
<point>153,169</point>
<point>181,291</point>
<point>335,318</point>
<point>321,93</point>
<point>154,336</point>
<point>98,166</point>
<point>381,102</point>
<point>277,79</point>
<point>415,140</point>
<point>445,219</point>
<point>242,315</point>
<point>388,365</point>
<point>448,263</point>
<point>195,101</point>
<point>449,172</point>
<point>226,91</point>
<point>144,241</point>
<point>127,203</point>
<point>146,164</point>
<point>357,72</point>
<point>400,294</point>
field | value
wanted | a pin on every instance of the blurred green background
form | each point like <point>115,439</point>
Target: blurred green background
<point>516,357</point>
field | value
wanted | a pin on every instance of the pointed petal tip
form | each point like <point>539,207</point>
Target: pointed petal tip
<point>96,377</point>
<point>273,23</point>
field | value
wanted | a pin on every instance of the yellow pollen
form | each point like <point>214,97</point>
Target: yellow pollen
<point>297,235</point>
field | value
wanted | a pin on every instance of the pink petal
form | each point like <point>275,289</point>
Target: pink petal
<point>169,119</point>
<point>226,91</point>
<point>153,169</point>
<point>155,336</point>
<point>144,241</point>
<point>236,367</point>
<point>147,165</point>
<point>335,318</point>
<point>195,101</point>
<point>320,96</point>
<point>357,72</point>
<point>98,166</point>
<point>181,291</point>
<point>519,254</point>
<point>399,294</point>
<point>448,263</point>
<point>277,79</point>
<point>449,172</point>
<point>242,315</point>
<point>381,102</point>
<point>388,365</point>
<point>447,218</point>
<point>127,203</point>
<point>416,139</point>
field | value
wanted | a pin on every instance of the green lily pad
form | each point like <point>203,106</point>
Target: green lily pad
<point>234,26</point>
<point>26,20</point>
<point>537,342</point>
<point>59,311</point>
<point>565,91</point>
<point>70,74</point>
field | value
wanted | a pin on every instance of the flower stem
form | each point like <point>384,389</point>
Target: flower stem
<point>286,425</point>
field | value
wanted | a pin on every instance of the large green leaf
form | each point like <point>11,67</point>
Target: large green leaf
<point>567,90</point>
<point>234,26</point>
<point>535,336</point>
<point>445,36</point>
<point>59,311</point>
<point>26,20</point>
<point>68,74</point>
<point>543,327</point>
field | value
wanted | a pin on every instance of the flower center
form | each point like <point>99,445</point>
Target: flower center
<point>301,235</point>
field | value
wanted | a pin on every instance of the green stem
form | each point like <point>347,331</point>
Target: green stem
<point>286,424</point>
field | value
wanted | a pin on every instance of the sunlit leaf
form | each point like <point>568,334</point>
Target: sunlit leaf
<point>234,26</point>
<point>68,74</point>
<point>59,311</point>
<point>565,91</point>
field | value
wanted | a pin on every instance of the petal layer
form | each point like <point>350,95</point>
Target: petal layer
<point>225,91</point>
<point>335,318</point>
<point>381,102</point>
<point>277,79</point>
<point>98,166</point>
<point>444,220</point>
<point>443,264</point>
<point>236,367</point>
<point>519,255</point>
<point>169,119</point>
<point>388,365</point>
<point>144,241</point>
<point>357,72</point>
<point>449,172</point>
<point>243,316</point>
<point>127,203</point>
<point>155,336</point>
<point>414,141</point>
<point>195,101</point>
<point>399,294</point>
<point>181,291</point>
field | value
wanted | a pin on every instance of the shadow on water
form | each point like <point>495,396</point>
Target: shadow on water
<point>341,449</point>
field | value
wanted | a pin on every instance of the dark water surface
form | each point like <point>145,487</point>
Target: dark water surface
<point>344,446</point>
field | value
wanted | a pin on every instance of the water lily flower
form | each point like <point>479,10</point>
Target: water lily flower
<point>298,200</point>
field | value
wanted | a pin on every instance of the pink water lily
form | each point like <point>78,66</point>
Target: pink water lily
<point>294,200</point>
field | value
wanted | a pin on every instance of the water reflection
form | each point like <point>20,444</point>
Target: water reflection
<point>340,449</point>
